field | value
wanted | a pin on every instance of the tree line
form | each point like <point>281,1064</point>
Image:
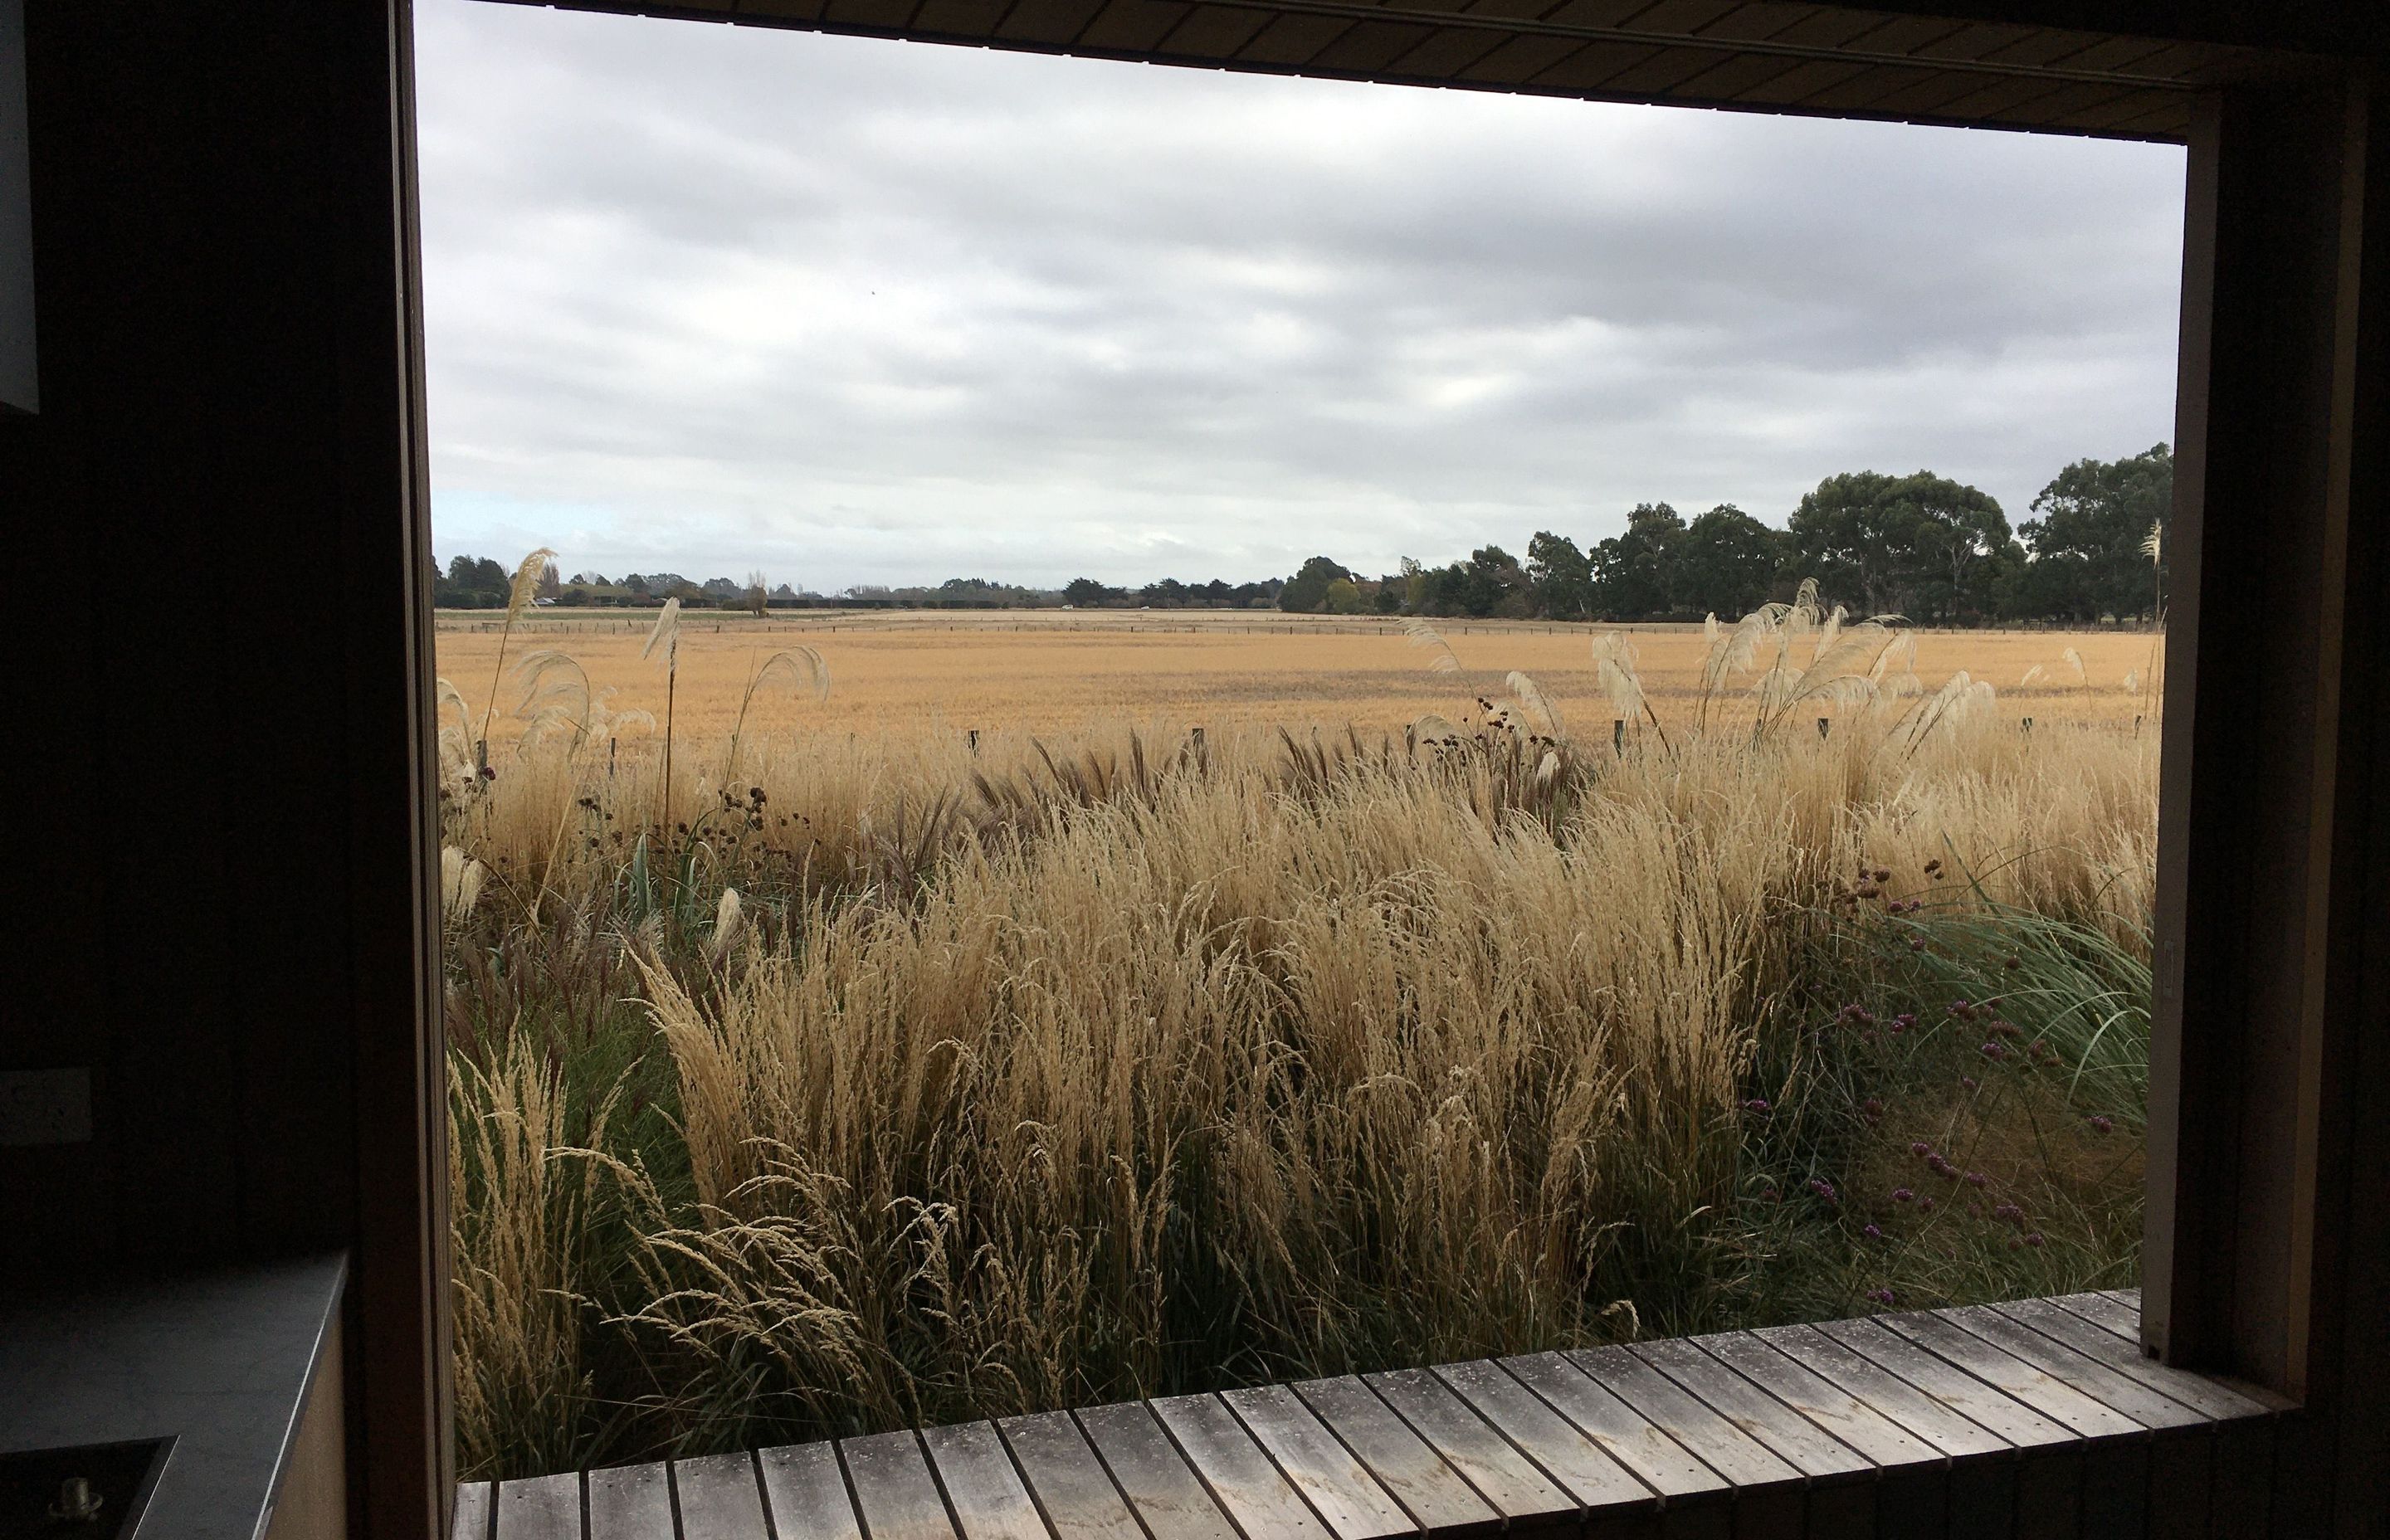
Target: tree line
<point>1922,546</point>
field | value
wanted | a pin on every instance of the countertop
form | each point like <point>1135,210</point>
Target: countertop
<point>221,1359</point>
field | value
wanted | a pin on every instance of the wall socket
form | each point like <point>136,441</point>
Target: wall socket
<point>45,1107</point>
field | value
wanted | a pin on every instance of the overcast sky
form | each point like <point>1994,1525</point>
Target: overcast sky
<point>712,299</point>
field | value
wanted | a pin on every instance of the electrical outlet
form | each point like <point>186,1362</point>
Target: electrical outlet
<point>45,1107</point>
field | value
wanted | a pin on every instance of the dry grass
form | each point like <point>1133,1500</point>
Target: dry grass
<point>1039,1075</point>
<point>1080,673</point>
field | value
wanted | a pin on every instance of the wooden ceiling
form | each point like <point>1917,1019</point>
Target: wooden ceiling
<point>1747,55</point>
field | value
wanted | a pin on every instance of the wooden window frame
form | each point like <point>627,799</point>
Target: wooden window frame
<point>2264,1249</point>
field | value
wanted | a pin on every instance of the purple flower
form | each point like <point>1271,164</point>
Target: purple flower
<point>1917,943</point>
<point>1969,1082</point>
<point>1996,1051</point>
<point>1975,1180</point>
<point>1920,1148</point>
<point>1873,1106</point>
<point>2033,1239</point>
<point>1822,1188</point>
<point>1757,1106</point>
<point>1925,1204</point>
<point>1902,1195</point>
<point>2008,1211</point>
<point>1873,1233</point>
<point>1881,1296</point>
<point>2103,1124</point>
<point>1961,1009</point>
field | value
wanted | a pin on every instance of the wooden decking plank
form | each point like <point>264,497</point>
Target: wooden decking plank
<point>2163,1488</point>
<point>1838,1411</point>
<point>1507,1479</point>
<point>895,1492</point>
<point>1978,1402</point>
<point>1766,1491</point>
<point>540,1508</point>
<point>1437,1498</point>
<point>1913,1488</point>
<point>2037,1388</point>
<point>1337,1485</point>
<point>719,1499</point>
<point>469,1519</point>
<point>2104,1313</point>
<point>1980,1498</point>
<point>2109,1486</point>
<point>1792,1438</point>
<point>1239,1474</point>
<point>1883,1392</point>
<point>2203,1397</point>
<point>1623,1433</point>
<point>2080,1372</point>
<point>1741,1461</point>
<point>1559,1448</point>
<point>1836,1501</point>
<point>2230,1477</point>
<point>2043,1489</point>
<point>631,1502</point>
<point>1068,1480</point>
<point>2181,1469</point>
<point>982,1489</point>
<point>804,1494</point>
<point>1166,1494</point>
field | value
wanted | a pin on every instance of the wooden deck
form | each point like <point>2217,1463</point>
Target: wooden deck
<point>2039,1417</point>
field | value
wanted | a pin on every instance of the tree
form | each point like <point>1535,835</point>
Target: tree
<point>1087,593</point>
<point>759,595</point>
<point>2093,519</point>
<point>1561,577</point>
<point>1307,590</point>
<point>473,583</point>
<point>550,582</point>
<point>1635,573</point>
<point>1728,562</point>
<point>1909,545</point>
<point>1343,598</point>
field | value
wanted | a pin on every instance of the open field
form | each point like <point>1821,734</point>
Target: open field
<point>1069,673</point>
<point>872,1081</point>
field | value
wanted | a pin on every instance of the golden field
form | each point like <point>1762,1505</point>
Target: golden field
<point>870,1082</point>
<point>1061,672</point>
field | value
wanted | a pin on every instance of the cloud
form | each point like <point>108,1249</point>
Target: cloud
<point>713,299</point>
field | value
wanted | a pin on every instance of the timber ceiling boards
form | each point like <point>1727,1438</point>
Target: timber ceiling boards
<point>1750,55</point>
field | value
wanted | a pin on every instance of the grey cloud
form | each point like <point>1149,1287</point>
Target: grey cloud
<point>860,310</point>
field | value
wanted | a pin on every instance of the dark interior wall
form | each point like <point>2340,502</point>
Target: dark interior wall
<point>16,371</point>
<point>218,905</point>
<point>221,907</point>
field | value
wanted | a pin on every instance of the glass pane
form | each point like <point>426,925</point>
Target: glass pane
<point>1169,730</point>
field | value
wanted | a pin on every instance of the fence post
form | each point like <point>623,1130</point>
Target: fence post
<point>2029,726</point>
<point>1822,723</point>
<point>1618,735</point>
